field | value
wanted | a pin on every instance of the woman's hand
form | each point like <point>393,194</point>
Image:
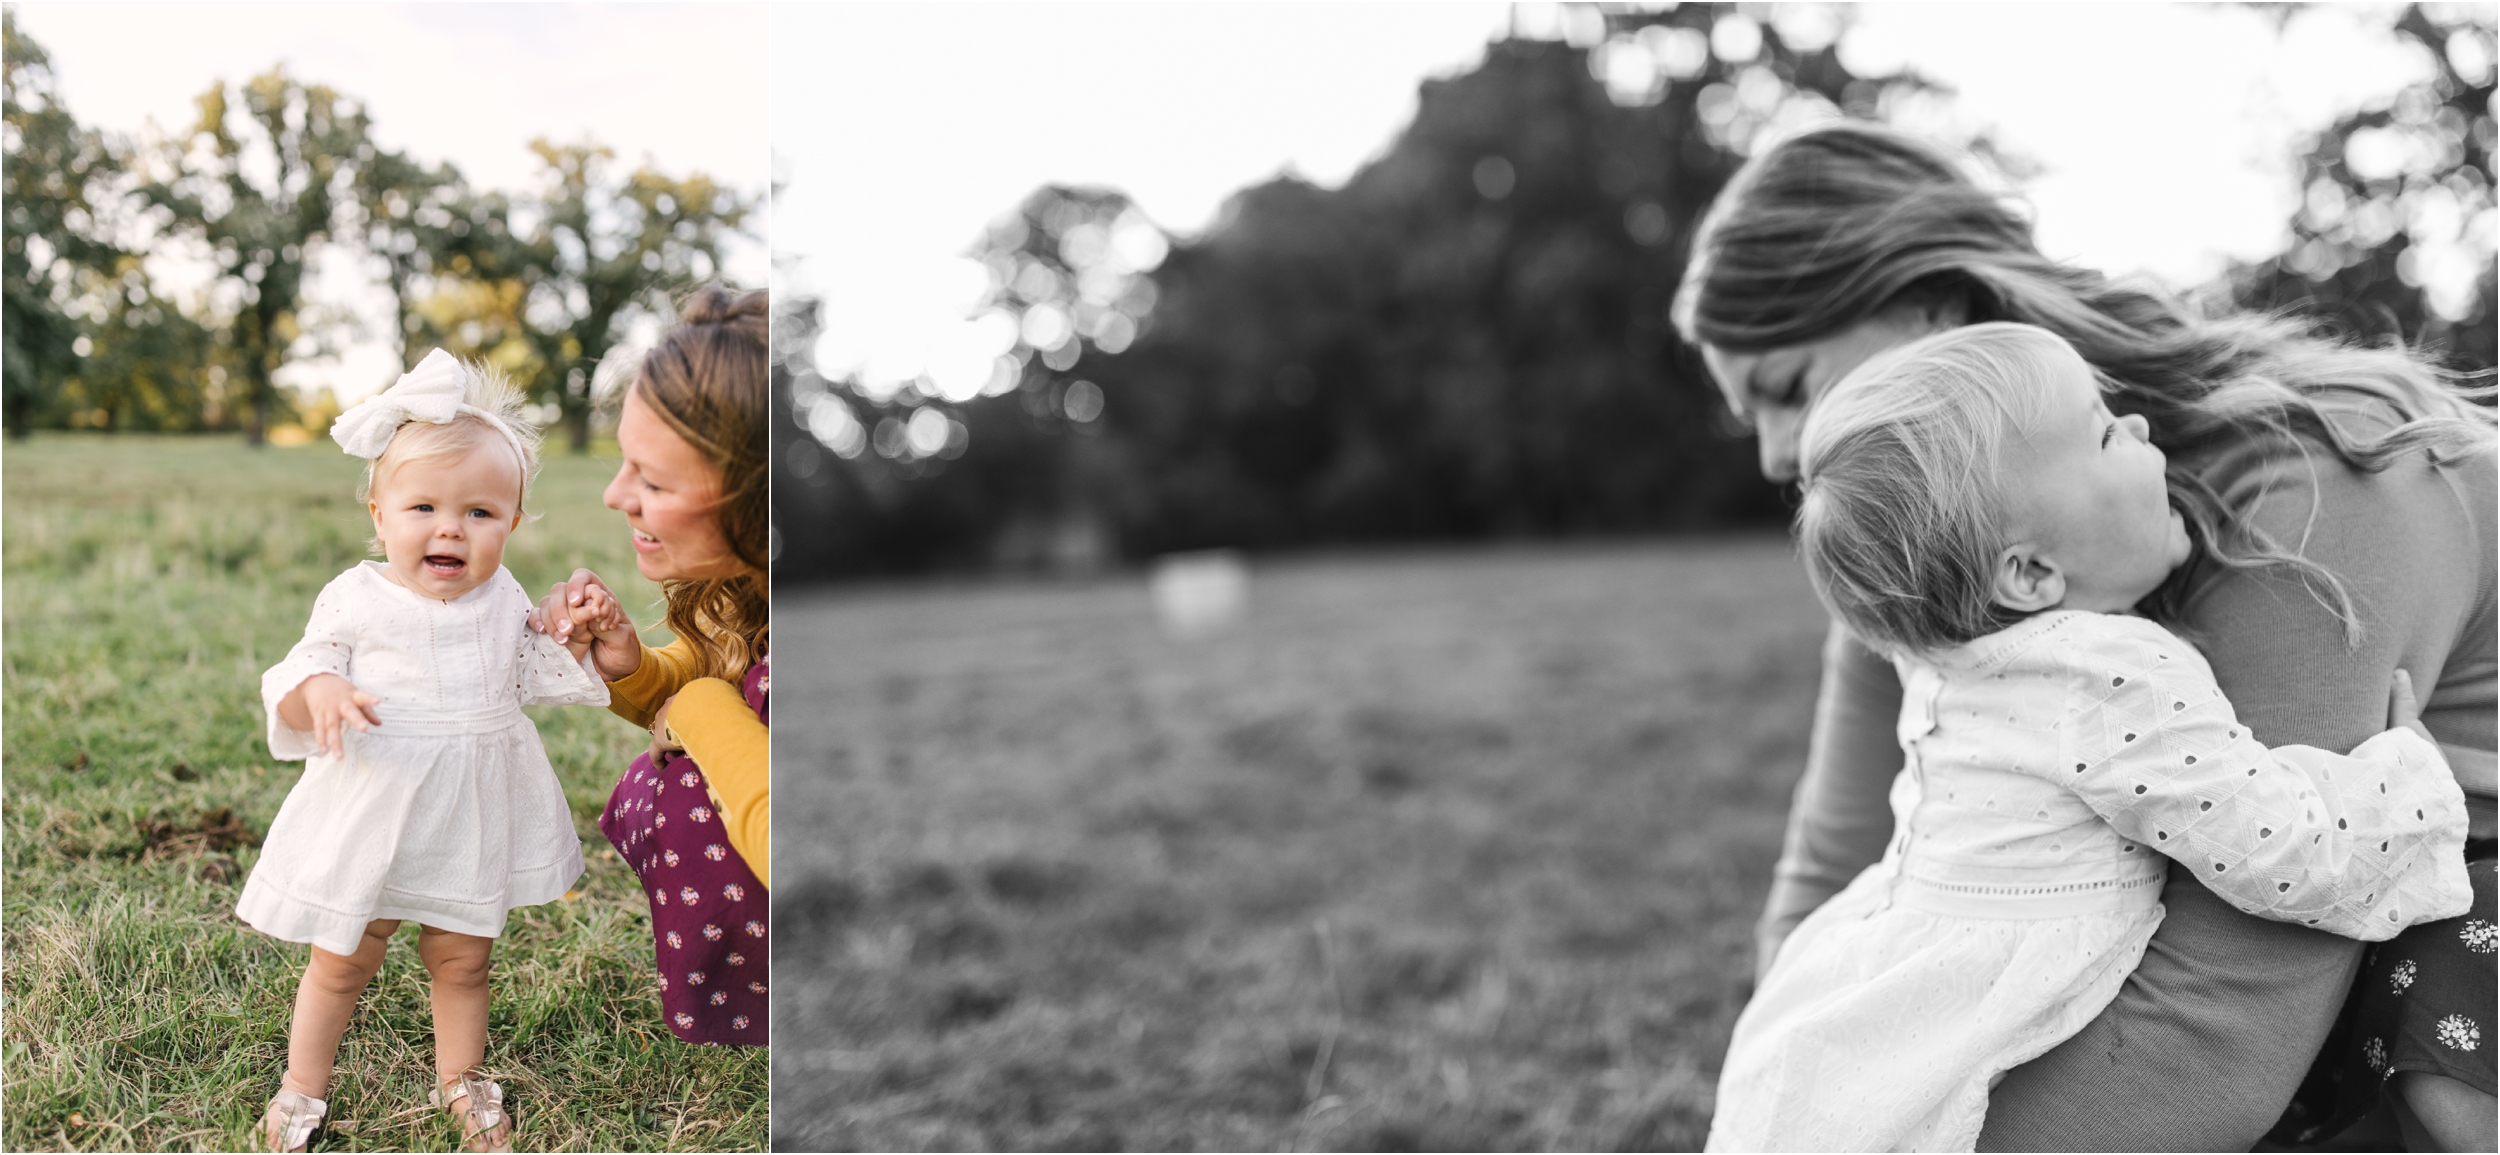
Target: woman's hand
<point>2477,771</point>
<point>662,741</point>
<point>2404,712</point>
<point>584,614</point>
<point>325,704</point>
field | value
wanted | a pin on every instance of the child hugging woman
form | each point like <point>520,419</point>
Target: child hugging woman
<point>1972,508</point>
<point>426,795</point>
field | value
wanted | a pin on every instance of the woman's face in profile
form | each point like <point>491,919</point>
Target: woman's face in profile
<point>670,495</point>
<point>1770,389</point>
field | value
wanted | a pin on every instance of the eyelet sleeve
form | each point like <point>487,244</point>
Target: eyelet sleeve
<point>550,676</point>
<point>2360,845</point>
<point>328,647</point>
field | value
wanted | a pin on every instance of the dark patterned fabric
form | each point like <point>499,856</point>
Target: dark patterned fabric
<point>711,920</point>
<point>2424,1002</point>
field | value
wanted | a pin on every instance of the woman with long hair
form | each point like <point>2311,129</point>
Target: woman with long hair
<point>692,817</point>
<point>2349,494</point>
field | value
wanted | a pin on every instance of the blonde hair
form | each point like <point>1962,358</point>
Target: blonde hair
<point>486,388</point>
<point>1901,521</point>
<point>1835,224</point>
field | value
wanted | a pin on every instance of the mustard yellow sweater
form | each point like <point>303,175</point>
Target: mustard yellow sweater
<point>721,734</point>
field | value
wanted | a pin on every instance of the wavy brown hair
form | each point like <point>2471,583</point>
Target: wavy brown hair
<point>710,379</point>
<point>1840,222</point>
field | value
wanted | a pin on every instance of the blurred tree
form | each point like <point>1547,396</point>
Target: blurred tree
<point>1468,339</point>
<point>56,174</point>
<point>604,247</point>
<point>480,318</point>
<point>2394,236</point>
<point>262,188</point>
<point>426,225</point>
<point>149,364</point>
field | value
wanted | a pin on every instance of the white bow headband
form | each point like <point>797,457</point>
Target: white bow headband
<point>433,392</point>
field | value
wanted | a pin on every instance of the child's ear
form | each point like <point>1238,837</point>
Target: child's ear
<point>2027,580</point>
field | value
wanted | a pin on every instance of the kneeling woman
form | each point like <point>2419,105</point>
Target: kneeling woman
<point>692,816</point>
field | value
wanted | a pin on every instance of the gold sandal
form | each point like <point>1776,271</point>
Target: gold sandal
<point>290,1120</point>
<point>484,1126</point>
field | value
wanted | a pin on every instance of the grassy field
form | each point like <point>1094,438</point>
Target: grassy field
<point>1438,851</point>
<point>149,581</point>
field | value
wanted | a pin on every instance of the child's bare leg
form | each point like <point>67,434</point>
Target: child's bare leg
<point>324,1000</point>
<point>458,964</point>
<point>2437,1113</point>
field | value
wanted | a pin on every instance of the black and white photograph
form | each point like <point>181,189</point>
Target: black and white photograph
<point>1593,576</point>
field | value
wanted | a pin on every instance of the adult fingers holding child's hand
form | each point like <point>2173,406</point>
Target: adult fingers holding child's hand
<point>596,610</point>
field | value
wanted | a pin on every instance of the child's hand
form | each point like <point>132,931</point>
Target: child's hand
<point>598,617</point>
<point>325,704</point>
<point>2403,712</point>
<point>584,615</point>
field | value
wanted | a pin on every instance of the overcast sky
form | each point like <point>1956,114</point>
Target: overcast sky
<point>682,84</point>
<point>2165,131</point>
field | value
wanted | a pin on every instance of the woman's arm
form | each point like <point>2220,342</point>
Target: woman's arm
<point>723,736</point>
<point>1841,817</point>
<point>2215,1029</point>
<point>636,697</point>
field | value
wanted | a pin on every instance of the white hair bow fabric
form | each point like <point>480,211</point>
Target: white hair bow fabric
<point>432,392</point>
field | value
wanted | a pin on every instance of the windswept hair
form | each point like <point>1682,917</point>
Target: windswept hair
<point>487,388</point>
<point>1840,222</point>
<point>1902,518</point>
<point>710,381</point>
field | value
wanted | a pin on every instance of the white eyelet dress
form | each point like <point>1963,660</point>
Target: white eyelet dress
<point>446,813</point>
<point>2054,769</point>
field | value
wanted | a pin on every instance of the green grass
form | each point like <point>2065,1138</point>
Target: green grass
<point>149,582</point>
<point>1439,851</point>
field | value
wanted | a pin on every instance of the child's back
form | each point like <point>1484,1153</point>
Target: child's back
<point>2054,769</point>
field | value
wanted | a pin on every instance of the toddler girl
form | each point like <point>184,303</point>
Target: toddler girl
<point>440,806</point>
<point>1973,508</point>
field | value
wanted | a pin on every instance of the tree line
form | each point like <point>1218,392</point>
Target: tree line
<point>1470,338</point>
<point>541,283</point>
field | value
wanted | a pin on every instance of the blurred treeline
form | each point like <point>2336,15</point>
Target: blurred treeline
<point>541,282</point>
<point>1470,338</point>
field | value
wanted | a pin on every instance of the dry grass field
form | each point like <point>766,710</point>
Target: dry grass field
<point>1437,850</point>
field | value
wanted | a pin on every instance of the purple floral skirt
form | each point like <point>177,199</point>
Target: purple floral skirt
<point>711,920</point>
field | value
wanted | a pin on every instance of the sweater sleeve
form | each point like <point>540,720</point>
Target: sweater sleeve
<point>1841,817</point>
<point>637,696</point>
<point>723,736</point>
<point>2215,1029</point>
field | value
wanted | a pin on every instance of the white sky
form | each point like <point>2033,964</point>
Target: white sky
<point>682,84</point>
<point>2165,131</point>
